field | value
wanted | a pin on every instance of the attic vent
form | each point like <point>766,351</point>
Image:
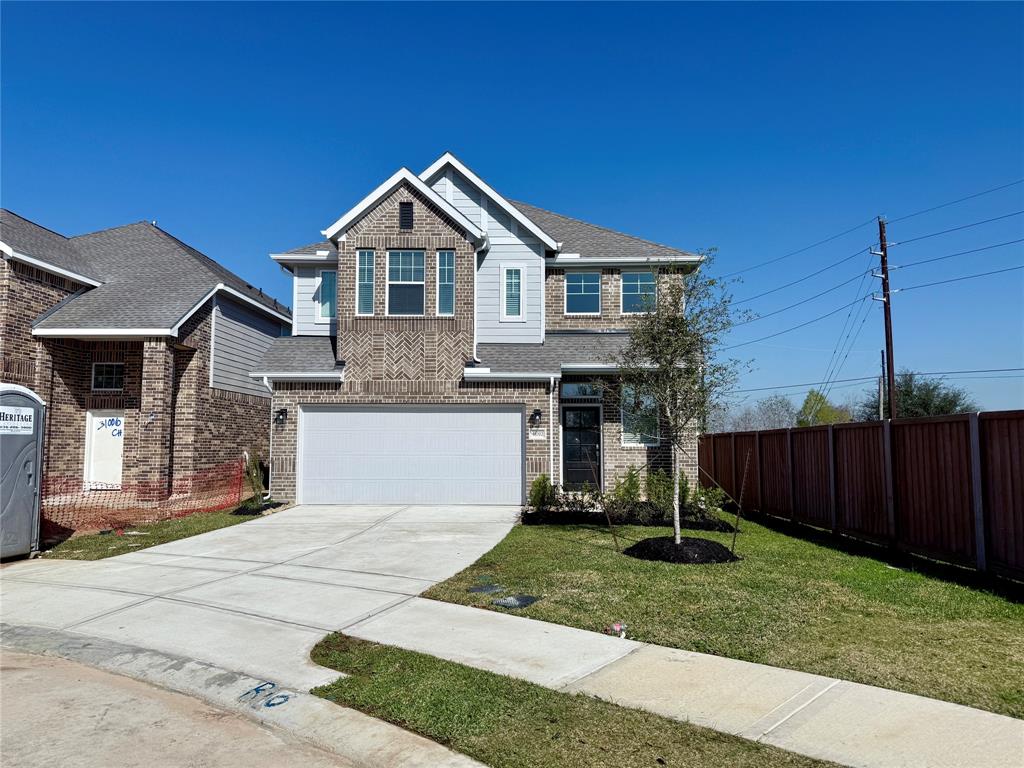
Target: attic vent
<point>405,215</point>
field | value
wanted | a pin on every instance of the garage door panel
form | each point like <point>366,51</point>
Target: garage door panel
<point>411,455</point>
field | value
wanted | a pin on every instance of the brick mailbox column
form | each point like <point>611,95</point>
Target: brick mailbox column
<point>156,416</point>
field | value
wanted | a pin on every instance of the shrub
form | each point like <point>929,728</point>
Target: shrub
<point>659,491</point>
<point>253,470</point>
<point>584,504</point>
<point>543,495</point>
<point>684,492</point>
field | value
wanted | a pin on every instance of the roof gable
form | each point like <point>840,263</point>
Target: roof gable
<point>27,241</point>
<point>448,159</point>
<point>401,176</point>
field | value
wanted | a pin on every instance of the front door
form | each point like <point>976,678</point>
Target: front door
<point>104,449</point>
<point>581,447</point>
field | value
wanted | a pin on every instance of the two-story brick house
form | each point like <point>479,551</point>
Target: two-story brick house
<point>141,348</point>
<point>445,347</point>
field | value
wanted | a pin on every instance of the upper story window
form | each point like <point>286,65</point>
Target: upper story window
<point>445,283</point>
<point>327,296</point>
<point>405,283</point>
<point>639,292</point>
<point>405,215</point>
<point>364,283</point>
<point>639,414</point>
<point>108,377</point>
<point>513,301</point>
<point>583,293</point>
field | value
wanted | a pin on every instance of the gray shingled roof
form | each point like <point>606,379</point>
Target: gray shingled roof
<point>29,239</point>
<point>592,241</point>
<point>299,354</point>
<point>312,248</point>
<point>150,279</point>
<point>559,347</point>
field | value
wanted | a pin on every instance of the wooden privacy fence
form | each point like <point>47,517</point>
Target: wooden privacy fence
<point>950,487</point>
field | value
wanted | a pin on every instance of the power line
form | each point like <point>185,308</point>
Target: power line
<point>958,253</point>
<point>954,202</point>
<point>801,325</point>
<point>802,279</point>
<point>958,279</point>
<point>956,229</point>
<point>809,298</point>
<point>868,378</point>
<point>853,341</point>
<point>799,250</point>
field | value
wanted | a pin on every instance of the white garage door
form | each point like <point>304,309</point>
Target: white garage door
<point>410,455</point>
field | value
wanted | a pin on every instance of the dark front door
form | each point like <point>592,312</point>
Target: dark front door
<point>581,447</point>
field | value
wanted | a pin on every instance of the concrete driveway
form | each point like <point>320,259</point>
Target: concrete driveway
<point>254,598</point>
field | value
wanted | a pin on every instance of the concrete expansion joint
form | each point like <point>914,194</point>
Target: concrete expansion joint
<point>578,681</point>
<point>773,720</point>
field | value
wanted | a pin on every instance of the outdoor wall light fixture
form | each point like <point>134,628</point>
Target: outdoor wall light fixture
<point>280,415</point>
<point>535,417</point>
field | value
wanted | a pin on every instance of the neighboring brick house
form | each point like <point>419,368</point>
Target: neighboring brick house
<point>447,346</point>
<point>141,347</point>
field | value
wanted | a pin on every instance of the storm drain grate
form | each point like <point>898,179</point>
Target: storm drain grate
<point>515,601</point>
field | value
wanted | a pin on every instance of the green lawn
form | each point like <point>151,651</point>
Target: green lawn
<point>97,546</point>
<point>509,723</point>
<point>789,603</point>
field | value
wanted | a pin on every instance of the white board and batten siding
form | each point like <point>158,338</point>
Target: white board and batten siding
<point>510,244</point>
<point>306,315</point>
<point>410,455</point>
<point>240,337</point>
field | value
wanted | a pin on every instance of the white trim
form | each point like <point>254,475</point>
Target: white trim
<point>388,282</point>
<point>622,288</point>
<point>21,391</point>
<point>555,381</point>
<point>565,293</point>
<point>522,268</point>
<point>449,159</point>
<point>486,374</point>
<point>318,318</point>
<point>373,282</point>
<point>476,310</point>
<point>295,300</point>
<point>622,429</point>
<point>437,282</point>
<point>102,333</point>
<point>543,292</point>
<point>46,266</point>
<point>299,376</point>
<point>372,199</point>
<point>92,376</point>
<point>590,367</point>
<point>301,258</point>
<point>575,260</point>
<point>600,431</point>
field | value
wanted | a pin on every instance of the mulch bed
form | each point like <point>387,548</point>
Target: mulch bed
<point>691,551</point>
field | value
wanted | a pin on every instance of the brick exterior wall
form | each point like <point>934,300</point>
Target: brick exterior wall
<point>420,360</point>
<point>611,317</point>
<point>187,458</point>
<point>25,293</point>
<point>405,348</point>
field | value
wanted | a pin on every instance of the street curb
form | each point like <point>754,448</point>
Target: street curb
<point>353,736</point>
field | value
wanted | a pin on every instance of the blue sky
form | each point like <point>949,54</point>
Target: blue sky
<point>759,129</point>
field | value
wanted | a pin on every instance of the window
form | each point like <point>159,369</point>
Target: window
<point>513,307</point>
<point>583,293</point>
<point>446,283</point>
<point>580,390</point>
<point>638,292</point>
<point>108,377</point>
<point>405,282</point>
<point>639,415</point>
<point>328,295</point>
<point>364,283</point>
<point>405,215</point>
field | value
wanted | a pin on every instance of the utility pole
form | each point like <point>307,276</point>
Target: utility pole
<point>881,390</point>
<point>887,309</point>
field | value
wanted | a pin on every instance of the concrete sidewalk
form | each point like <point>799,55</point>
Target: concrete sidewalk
<point>848,723</point>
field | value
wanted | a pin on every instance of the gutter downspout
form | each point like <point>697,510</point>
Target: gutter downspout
<point>551,421</point>
<point>270,442</point>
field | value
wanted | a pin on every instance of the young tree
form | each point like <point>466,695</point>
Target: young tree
<point>672,376</point>
<point>816,409</point>
<point>920,396</point>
